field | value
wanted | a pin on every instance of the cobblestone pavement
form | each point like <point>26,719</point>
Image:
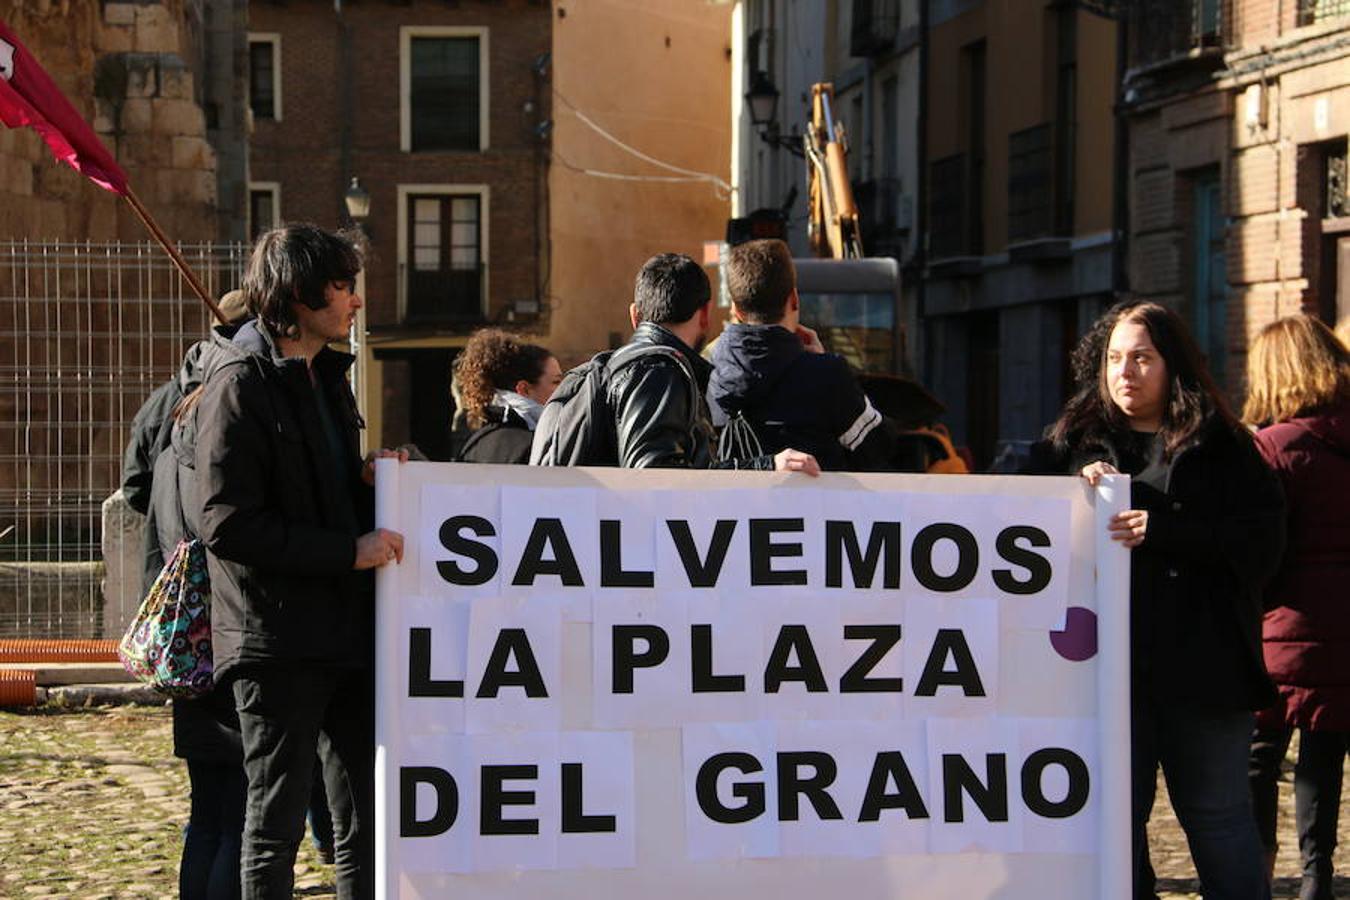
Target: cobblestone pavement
<point>93,803</point>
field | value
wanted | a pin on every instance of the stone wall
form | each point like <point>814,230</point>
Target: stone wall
<point>132,69</point>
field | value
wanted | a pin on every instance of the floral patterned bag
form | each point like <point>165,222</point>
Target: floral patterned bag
<point>168,644</point>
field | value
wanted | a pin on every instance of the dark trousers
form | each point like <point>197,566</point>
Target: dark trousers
<point>209,869</point>
<point>286,713</point>
<point>320,819</point>
<point>1204,762</point>
<point>1317,798</point>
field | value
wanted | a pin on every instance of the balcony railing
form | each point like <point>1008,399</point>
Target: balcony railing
<point>1310,12</point>
<point>444,296</point>
<point>1030,184</point>
<point>1164,30</point>
<point>875,25</point>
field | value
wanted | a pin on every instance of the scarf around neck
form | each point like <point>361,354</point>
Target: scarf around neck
<point>521,405</point>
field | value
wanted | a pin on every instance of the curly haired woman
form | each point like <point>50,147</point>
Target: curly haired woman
<point>504,384</point>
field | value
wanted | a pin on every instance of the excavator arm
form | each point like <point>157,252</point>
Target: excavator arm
<point>833,230</point>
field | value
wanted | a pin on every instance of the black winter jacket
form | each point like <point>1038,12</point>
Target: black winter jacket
<point>279,523</point>
<point>651,399</point>
<point>150,431</point>
<point>795,398</point>
<point>505,439</point>
<point>1215,537</point>
<point>206,728</point>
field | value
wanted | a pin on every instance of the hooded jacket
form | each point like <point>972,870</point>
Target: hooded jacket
<point>279,518</point>
<point>794,398</point>
<point>505,439</point>
<point>1306,631</point>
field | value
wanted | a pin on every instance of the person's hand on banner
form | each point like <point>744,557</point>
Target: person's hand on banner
<point>1094,471</point>
<point>368,470</point>
<point>790,460</point>
<point>1129,527</point>
<point>377,548</point>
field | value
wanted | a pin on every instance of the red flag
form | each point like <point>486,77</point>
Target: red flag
<point>28,96</point>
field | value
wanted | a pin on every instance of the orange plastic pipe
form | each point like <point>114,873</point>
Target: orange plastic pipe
<point>32,650</point>
<point>18,688</point>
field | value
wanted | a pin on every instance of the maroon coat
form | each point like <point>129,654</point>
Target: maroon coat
<point>1306,630</point>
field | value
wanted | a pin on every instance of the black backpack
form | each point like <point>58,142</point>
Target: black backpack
<point>577,426</point>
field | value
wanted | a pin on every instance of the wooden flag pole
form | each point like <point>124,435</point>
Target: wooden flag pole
<point>177,257</point>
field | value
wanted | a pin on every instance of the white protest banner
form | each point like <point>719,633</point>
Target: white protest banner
<point>664,684</point>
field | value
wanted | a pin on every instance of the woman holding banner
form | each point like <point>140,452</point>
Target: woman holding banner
<point>1298,378</point>
<point>1205,531</point>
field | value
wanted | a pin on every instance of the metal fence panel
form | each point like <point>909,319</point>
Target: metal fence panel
<point>87,331</point>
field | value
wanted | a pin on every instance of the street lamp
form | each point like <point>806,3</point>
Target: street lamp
<point>762,99</point>
<point>357,199</point>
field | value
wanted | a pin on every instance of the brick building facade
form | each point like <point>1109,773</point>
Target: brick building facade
<point>1237,115</point>
<point>434,107</point>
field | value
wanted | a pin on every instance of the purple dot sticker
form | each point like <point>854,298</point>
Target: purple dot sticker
<point>1078,640</point>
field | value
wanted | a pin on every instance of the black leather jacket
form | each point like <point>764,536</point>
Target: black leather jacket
<point>661,420</point>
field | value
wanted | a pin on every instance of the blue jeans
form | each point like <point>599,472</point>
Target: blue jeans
<point>209,869</point>
<point>1204,761</point>
<point>286,713</point>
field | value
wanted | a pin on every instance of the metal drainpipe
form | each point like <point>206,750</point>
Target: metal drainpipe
<point>344,73</point>
<point>920,257</point>
<point>1120,276</point>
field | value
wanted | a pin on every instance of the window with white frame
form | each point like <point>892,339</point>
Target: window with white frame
<point>264,207</point>
<point>264,76</point>
<point>443,254</point>
<point>443,89</point>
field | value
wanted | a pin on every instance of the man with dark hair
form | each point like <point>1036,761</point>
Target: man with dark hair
<point>659,412</point>
<point>285,510</point>
<point>771,370</point>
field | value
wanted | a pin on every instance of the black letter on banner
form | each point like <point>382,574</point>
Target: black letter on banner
<point>420,683</point>
<point>493,798</point>
<point>512,642</point>
<point>1034,769</point>
<point>855,680</point>
<point>883,545</point>
<point>447,801</point>
<point>815,788</point>
<point>991,795</point>
<point>1037,566</point>
<point>574,820</point>
<point>705,789</point>
<point>763,551</point>
<point>452,540</point>
<point>888,767</point>
<point>950,641</point>
<point>701,663</point>
<point>624,659</point>
<point>532,562</point>
<point>702,573</point>
<point>967,561</point>
<point>807,670</point>
<point>611,559</point>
